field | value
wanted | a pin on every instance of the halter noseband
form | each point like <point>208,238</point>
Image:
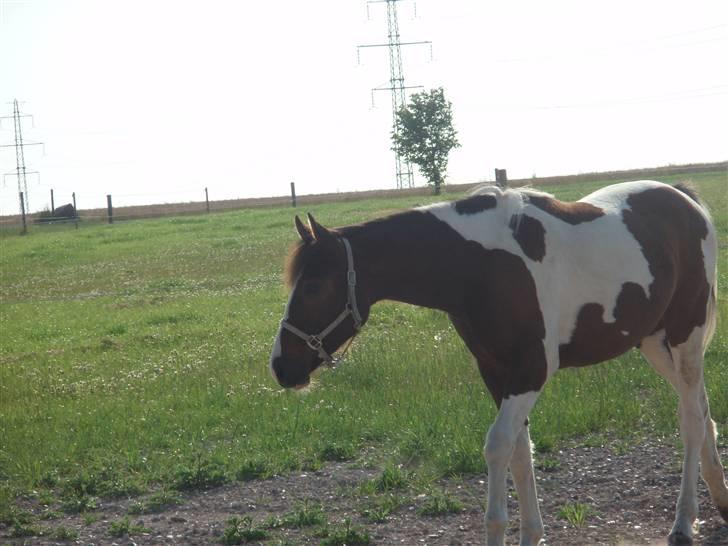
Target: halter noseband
<point>316,342</point>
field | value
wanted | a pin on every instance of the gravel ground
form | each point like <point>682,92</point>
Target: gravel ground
<point>630,490</point>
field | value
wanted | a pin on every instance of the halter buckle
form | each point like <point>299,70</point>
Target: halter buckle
<point>314,342</point>
<point>351,277</point>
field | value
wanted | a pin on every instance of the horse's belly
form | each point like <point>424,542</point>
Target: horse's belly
<point>596,337</point>
<point>603,346</point>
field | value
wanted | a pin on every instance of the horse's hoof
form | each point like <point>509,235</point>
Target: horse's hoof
<point>679,539</point>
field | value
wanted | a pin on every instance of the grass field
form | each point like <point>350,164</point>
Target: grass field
<point>135,356</point>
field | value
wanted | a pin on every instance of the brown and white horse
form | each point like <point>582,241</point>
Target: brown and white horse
<point>532,284</point>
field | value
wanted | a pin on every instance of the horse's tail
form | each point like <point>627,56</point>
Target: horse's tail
<point>712,316</point>
<point>711,310</point>
<point>689,190</point>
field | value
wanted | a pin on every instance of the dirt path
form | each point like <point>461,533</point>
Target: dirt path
<point>630,492</point>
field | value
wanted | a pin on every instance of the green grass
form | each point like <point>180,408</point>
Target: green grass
<point>242,531</point>
<point>345,535</point>
<point>378,509</point>
<point>576,513</point>
<point>392,478</point>
<point>304,514</point>
<point>135,356</point>
<point>439,502</point>
<point>124,527</point>
<point>158,502</point>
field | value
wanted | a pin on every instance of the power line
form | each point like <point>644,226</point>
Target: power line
<point>687,94</point>
<point>627,47</point>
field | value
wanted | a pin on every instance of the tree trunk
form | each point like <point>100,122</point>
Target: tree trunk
<point>438,179</point>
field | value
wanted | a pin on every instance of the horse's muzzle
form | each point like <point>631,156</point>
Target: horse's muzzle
<point>290,374</point>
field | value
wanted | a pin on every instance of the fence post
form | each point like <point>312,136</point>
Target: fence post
<point>22,213</point>
<point>75,210</point>
<point>53,204</point>
<point>109,209</point>
<point>293,194</point>
<point>207,200</point>
<point>501,178</point>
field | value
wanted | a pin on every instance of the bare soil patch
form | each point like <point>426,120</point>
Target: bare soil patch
<point>630,490</point>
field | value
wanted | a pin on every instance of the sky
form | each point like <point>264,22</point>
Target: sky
<point>153,100</point>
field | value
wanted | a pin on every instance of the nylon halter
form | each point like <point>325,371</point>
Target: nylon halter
<point>316,341</point>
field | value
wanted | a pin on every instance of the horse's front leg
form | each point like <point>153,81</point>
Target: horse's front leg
<point>499,447</point>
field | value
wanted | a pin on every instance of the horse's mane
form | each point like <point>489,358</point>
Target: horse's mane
<point>295,262</point>
<point>514,199</point>
<point>497,191</point>
<point>302,253</point>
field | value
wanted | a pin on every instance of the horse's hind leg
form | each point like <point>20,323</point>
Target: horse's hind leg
<point>710,466</point>
<point>682,366</point>
<point>523,478</point>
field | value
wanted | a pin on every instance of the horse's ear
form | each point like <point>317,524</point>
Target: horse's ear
<point>320,233</point>
<point>303,231</point>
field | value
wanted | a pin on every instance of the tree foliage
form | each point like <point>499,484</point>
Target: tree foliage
<point>424,134</point>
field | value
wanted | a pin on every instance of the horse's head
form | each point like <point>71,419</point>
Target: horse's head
<point>325,307</point>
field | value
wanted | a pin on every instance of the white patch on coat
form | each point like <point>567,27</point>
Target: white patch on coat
<point>584,263</point>
<point>277,348</point>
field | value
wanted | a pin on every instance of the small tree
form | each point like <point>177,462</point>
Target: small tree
<point>424,134</point>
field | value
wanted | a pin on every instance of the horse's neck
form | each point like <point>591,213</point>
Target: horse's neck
<point>409,258</point>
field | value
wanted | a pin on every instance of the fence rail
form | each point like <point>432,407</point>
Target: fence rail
<point>118,214</point>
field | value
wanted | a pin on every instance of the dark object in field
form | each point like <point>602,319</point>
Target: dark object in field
<point>64,212</point>
<point>59,214</point>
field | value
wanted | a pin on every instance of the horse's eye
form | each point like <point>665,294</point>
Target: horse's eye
<point>312,288</point>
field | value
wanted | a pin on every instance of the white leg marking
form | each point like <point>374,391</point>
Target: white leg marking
<point>277,349</point>
<point>711,468</point>
<point>499,446</point>
<point>682,366</point>
<point>523,479</point>
<point>690,388</point>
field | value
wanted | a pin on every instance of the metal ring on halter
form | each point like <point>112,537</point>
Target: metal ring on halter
<point>316,342</point>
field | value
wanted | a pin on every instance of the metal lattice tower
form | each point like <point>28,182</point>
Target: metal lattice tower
<point>397,86</point>
<point>20,155</point>
<point>396,80</point>
<point>20,171</point>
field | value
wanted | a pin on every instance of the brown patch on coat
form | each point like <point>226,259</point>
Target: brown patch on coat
<point>669,231</point>
<point>489,294</point>
<point>571,213</point>
<point>475,204</point>
<point>507,344</point>
<point>530,235</point>
<point>595,340</point>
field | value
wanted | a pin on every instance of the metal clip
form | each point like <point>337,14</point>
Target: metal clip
<point>314,342</point>
<point>351,277</point>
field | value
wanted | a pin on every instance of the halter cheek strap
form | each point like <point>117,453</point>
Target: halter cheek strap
<point>316,341</point>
